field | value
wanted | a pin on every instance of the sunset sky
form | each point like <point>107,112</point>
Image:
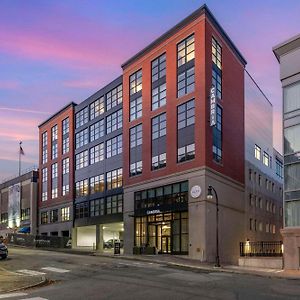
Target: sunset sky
<point>54,52</point>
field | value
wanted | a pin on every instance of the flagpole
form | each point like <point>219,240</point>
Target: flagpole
<point>20,144</point>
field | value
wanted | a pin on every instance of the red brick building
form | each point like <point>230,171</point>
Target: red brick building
<point>170,150</point>
<point>56,171</point>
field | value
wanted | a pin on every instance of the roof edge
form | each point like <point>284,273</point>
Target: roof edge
<point>58,112</point>
<point>194,15</point>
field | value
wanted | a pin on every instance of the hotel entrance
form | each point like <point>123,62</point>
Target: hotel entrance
<point>160,236</point>
<point>161,219</point>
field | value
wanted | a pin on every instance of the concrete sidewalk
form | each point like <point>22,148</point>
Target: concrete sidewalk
<point>11,281</point>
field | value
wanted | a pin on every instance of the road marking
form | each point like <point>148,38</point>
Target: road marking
<point>30,272</point>
<point>12,295</point>
<point>57,270</point>
<point>34,298</point>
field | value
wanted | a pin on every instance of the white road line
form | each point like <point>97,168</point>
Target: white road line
<point>12,295</point>
<point>57,270</point>
<point>30,272</point>
<point>34,298</point>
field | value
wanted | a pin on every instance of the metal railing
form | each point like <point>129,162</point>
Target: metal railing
<point>262,248</point>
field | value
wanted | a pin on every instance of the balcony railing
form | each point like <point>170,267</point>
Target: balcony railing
<point>271,249</point>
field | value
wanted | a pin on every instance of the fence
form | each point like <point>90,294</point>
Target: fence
<point>262,248</point>
<point>38,241</point>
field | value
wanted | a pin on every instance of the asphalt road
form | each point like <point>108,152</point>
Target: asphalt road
<point>93,277</point>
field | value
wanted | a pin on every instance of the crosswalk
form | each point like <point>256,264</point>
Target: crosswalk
<point>42,271</point>
<point>19,294</point>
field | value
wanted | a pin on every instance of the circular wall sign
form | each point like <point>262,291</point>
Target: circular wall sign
<point>196,191</point>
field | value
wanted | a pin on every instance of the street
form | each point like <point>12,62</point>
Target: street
<point>73,276</point>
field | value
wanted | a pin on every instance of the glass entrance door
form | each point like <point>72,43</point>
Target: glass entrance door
<point>159,235</point>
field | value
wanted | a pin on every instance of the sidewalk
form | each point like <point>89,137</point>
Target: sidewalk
<point>11,281</point>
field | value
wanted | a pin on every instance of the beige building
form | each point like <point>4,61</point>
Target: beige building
<point>288,55</point>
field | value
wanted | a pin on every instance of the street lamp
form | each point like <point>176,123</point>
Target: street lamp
<point>210,196</point>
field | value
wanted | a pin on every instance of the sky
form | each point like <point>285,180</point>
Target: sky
<point>55,52</point>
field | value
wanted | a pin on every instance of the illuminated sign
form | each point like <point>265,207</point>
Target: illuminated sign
<point>213,107</point>
<point>153,212</point>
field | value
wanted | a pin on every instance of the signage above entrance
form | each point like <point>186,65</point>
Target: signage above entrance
<point>196,191</point>
<point>153,212</point>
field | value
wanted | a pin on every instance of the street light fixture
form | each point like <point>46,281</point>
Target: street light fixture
<point>210,196</point>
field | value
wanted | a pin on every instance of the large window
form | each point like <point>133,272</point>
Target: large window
<point>44,217</point>
<point>82,210</point>
<point>65,214</point>
<point>186,152</point>
<point>159,142</point>
<point>136,168</point>
<point>186,114</point>
<point>114,179</point>
<point>82,117</point>
<point>136,136</point>
<point>82,188</point>
<point>54,183</point>
<point>291,97</point>
<point>114,121</point>
<point>82,138</point>
<point>217,82</point>
<point>136,140</point>
<point>114,97</point>
<point>97,184</point>
<point>216,51</point>
<point>114,204</point>
<point>66,145</point>
<point>136,107</point>
<point>81,160</point>
<point>292,177</point>
<point>97,108</point>
<point>65,177</point>
<point>185,131</point>
<point>53,215</point>
<point>217,136</point>
<point>186,51</point>
<point>54,132</point>
<point>97,207</point>
<point>96,153</point>
<point>114,146</point>
<point>186,82</point>
<point>54,150</point>
<point>44,184</point>
<point>159,96</point>
<point>291,139</point>
<point>279,168</point>
<point>158,67</point>
<point>257,152</point>
<point>159,125</point>
<point>65,126</point>
<point>44,147</point>
<point>266,159</point>
<point>135,82</point>
<point>97,130</point>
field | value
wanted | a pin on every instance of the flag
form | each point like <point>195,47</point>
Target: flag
<point>22,151</point>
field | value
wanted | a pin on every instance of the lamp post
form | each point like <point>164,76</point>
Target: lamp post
<point>210,196</point>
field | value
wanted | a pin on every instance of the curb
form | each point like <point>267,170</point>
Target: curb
<point>42,282</point>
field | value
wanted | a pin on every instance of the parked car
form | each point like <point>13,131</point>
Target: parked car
<point>3,250</point>
<point>109,244</point>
